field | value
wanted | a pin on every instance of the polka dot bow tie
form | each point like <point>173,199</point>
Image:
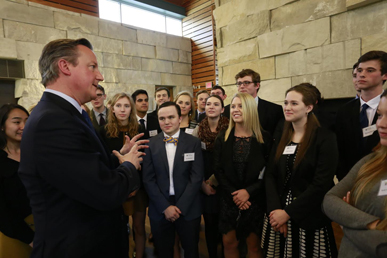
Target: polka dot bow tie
<point>171,140</point>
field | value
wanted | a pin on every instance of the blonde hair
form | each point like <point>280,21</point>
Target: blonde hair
<point>112,126</point>
<point>250,116</point>
<point>192,113</point>
<point>368,175</point>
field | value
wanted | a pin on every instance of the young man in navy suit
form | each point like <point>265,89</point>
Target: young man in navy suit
<point>172,176</point>
<point>356,120</point>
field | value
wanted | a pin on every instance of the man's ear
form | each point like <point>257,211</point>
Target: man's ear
<point>63,66</point>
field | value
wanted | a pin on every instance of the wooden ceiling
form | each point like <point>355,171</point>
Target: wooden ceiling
<point>177,2</point>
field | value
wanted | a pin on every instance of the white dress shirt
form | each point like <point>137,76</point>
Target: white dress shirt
<point>67,98</point>
<point>98,117</point>
<point>170,148</point>
<point>145,118</point>
<point>373,106</point>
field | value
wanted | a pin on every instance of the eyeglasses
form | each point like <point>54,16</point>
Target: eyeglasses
<point>99,95</point>
<point>245,83</point>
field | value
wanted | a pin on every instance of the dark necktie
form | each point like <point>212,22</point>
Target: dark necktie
<point>101,120</point>
<point>87,118</point>
<point>142,122</point>
<point>171,140</point>
<point>363,116</point>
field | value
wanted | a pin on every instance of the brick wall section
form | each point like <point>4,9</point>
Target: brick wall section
<point>130,58</point>
<point>294,41</point>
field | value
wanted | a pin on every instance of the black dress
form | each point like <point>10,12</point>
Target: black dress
<point>14,209</point>
<point>231,218</point>
<point>299,242</point>
<point>14,203</point>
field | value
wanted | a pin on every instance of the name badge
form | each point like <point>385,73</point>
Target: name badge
<point>189,130</point>
<point>290,150</point>
<point>262,173</point>
<point>152,133</point>
<point>189,156</point>
<point>383,188</point>
<point>204,146</point>
<point>367,131</point>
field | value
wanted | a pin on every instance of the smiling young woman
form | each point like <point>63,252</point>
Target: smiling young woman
<point>240,157</point>
<point>16,223</point>
<point>301,171</point>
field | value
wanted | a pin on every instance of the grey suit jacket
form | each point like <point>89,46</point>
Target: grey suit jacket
<point>187,176</point>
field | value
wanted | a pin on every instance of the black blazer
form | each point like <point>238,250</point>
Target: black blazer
<point>75,194</point>
<point>269,114</point>
<point>95,121</point>
<point>224,167</point>
<point>310,181</point>
<point>349,137</point>
<point>152,124</point>
<point>187,177</point>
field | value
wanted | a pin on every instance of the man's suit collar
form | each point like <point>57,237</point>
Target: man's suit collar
<point>66,97</point>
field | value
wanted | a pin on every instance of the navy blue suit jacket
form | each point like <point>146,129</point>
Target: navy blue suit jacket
<point>76,196</point>
<point>187,177</point>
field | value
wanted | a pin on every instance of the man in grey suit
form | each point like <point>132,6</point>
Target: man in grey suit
<point>172,176</point>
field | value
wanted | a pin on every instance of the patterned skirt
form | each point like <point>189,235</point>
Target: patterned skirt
<point>301,243</point>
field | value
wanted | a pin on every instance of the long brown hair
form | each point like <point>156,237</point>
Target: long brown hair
<point>310,96</point>
<point>112,126</point>
<point>368,174</point>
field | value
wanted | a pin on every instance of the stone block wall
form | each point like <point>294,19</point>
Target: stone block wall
<point>130,58</point>
<point>293,41</point>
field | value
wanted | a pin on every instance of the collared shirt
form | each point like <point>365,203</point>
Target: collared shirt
<point>256,100</point>
<point>103,114</point>
<point>67,98</point>
<point>199,113</point>
<point>373,106</point>
<point>145,118</point>
<point>170,148</point>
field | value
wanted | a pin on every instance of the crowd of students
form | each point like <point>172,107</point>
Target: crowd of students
<point>262,177</point>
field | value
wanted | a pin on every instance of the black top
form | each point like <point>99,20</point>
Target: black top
<point>14,204</point>
<point>309,181</point>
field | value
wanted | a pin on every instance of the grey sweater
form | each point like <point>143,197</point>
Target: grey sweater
<point>358,241</point>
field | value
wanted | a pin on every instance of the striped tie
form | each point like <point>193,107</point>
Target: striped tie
<point>171,140</point>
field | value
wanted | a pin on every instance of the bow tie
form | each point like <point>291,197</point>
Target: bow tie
<point>171,140</point>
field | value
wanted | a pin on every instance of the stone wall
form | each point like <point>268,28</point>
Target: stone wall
<point>130,58</point>
<point>294,41</point>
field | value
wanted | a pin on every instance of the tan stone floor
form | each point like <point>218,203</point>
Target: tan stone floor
<point>149,246</point>
<point>202,243</point>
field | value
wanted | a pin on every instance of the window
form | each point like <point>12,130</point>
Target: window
<point>140,17</point>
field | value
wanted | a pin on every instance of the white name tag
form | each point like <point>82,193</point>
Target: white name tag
<point>290,150</point>
<point>152,133</point>
<point>189,156</point>
<point>204,146</point>
<point>189,130</point>
<point>367,131</point>
<point>383,188</point>
<point>262,173</point>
